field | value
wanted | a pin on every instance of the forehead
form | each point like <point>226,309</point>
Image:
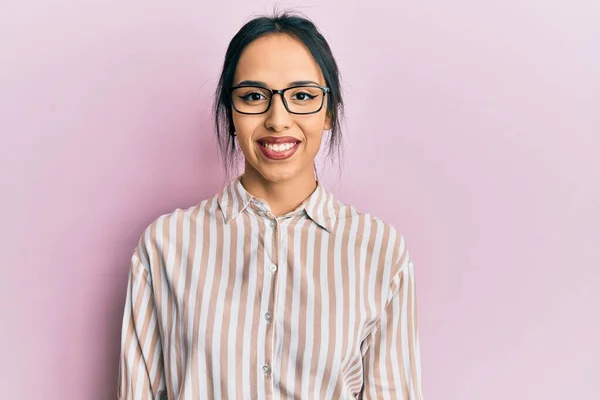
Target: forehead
<point>277,60</point>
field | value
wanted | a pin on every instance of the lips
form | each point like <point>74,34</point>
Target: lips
<point>278,148</point>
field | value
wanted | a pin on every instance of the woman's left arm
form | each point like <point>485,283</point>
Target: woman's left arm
<point>392,363</point>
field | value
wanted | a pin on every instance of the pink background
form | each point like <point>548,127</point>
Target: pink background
<point>473,126</point>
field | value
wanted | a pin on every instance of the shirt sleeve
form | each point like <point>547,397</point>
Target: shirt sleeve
<point>140,363</point>
<point>391,364</point>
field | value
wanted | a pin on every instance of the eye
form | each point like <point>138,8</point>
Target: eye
<point>303,96</point>
<point>253,96</point>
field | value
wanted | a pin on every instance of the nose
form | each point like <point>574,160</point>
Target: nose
<point>278,118</point>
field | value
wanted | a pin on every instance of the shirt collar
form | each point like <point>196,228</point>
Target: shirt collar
<point>319,206</point>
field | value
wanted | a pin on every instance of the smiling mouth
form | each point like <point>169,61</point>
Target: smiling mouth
<point>279,148</point>
<point>278,151</point>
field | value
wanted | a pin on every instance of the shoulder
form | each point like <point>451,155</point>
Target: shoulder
<point>169,229</point>
<point>377,234</point>
<point>383,244</point>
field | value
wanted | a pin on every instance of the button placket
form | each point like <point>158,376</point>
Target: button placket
<point>272,227</point>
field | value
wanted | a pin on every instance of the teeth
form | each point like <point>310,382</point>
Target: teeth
<point>279,147</point>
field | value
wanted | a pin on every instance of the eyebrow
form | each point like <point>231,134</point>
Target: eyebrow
<point>262,84</point>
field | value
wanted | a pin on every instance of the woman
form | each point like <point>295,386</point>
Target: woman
<point>272,288</point>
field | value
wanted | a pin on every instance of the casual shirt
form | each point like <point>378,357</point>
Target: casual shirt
<point>227,301</point>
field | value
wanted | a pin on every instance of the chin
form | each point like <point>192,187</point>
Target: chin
<point>277,176</point>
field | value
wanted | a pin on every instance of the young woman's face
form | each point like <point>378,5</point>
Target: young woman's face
<point>278,61</point>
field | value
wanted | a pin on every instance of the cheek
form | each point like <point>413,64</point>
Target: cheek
<point>239,124</point>
<point>245,126</point>
<point>313,130</point>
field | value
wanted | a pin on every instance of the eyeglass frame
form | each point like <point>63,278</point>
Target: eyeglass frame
<point>325,89</point>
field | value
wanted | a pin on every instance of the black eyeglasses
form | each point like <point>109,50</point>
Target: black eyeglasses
<point>299,100</point>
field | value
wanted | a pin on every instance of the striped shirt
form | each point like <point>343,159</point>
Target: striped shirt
<point>227,301</point>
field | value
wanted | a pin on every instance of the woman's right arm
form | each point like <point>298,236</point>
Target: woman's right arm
<point>141,368</point>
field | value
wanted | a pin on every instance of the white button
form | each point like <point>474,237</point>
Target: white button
<point>266,369</point>
<point>273,268</point>
<point>273,223</point>
<point>268,317</point>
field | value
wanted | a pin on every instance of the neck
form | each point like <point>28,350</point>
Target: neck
<point>282,197</point>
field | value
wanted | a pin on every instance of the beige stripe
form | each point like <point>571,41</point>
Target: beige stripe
<point>352,358</point>
<point>386,362</point>
<point>167,306</point>
<point>187,290</point>
<point>140,332</point>
<point>152,249</point>
<point>229,268</point>
<point>243,269</point>
<point>303,323</point>
<point>215,247</point>
<point>307,310</point>
<point>318,328</point>
<point>155,352</point>
<point>348,265</point>
<point>233,341</point>
<point>151,255</point>
<point>129,335</point>
<point>284,305</point>
<point>411,322</point>
<point>177,237</point>
<point>364,230</point>
<point>335,310</point>
<point>144,296</point>
<point>373,297</point>
<point>340,288</point>
<point>400,354</point>
<point>396,356</point>
<point>198,358</point>
<point>196,273</point>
